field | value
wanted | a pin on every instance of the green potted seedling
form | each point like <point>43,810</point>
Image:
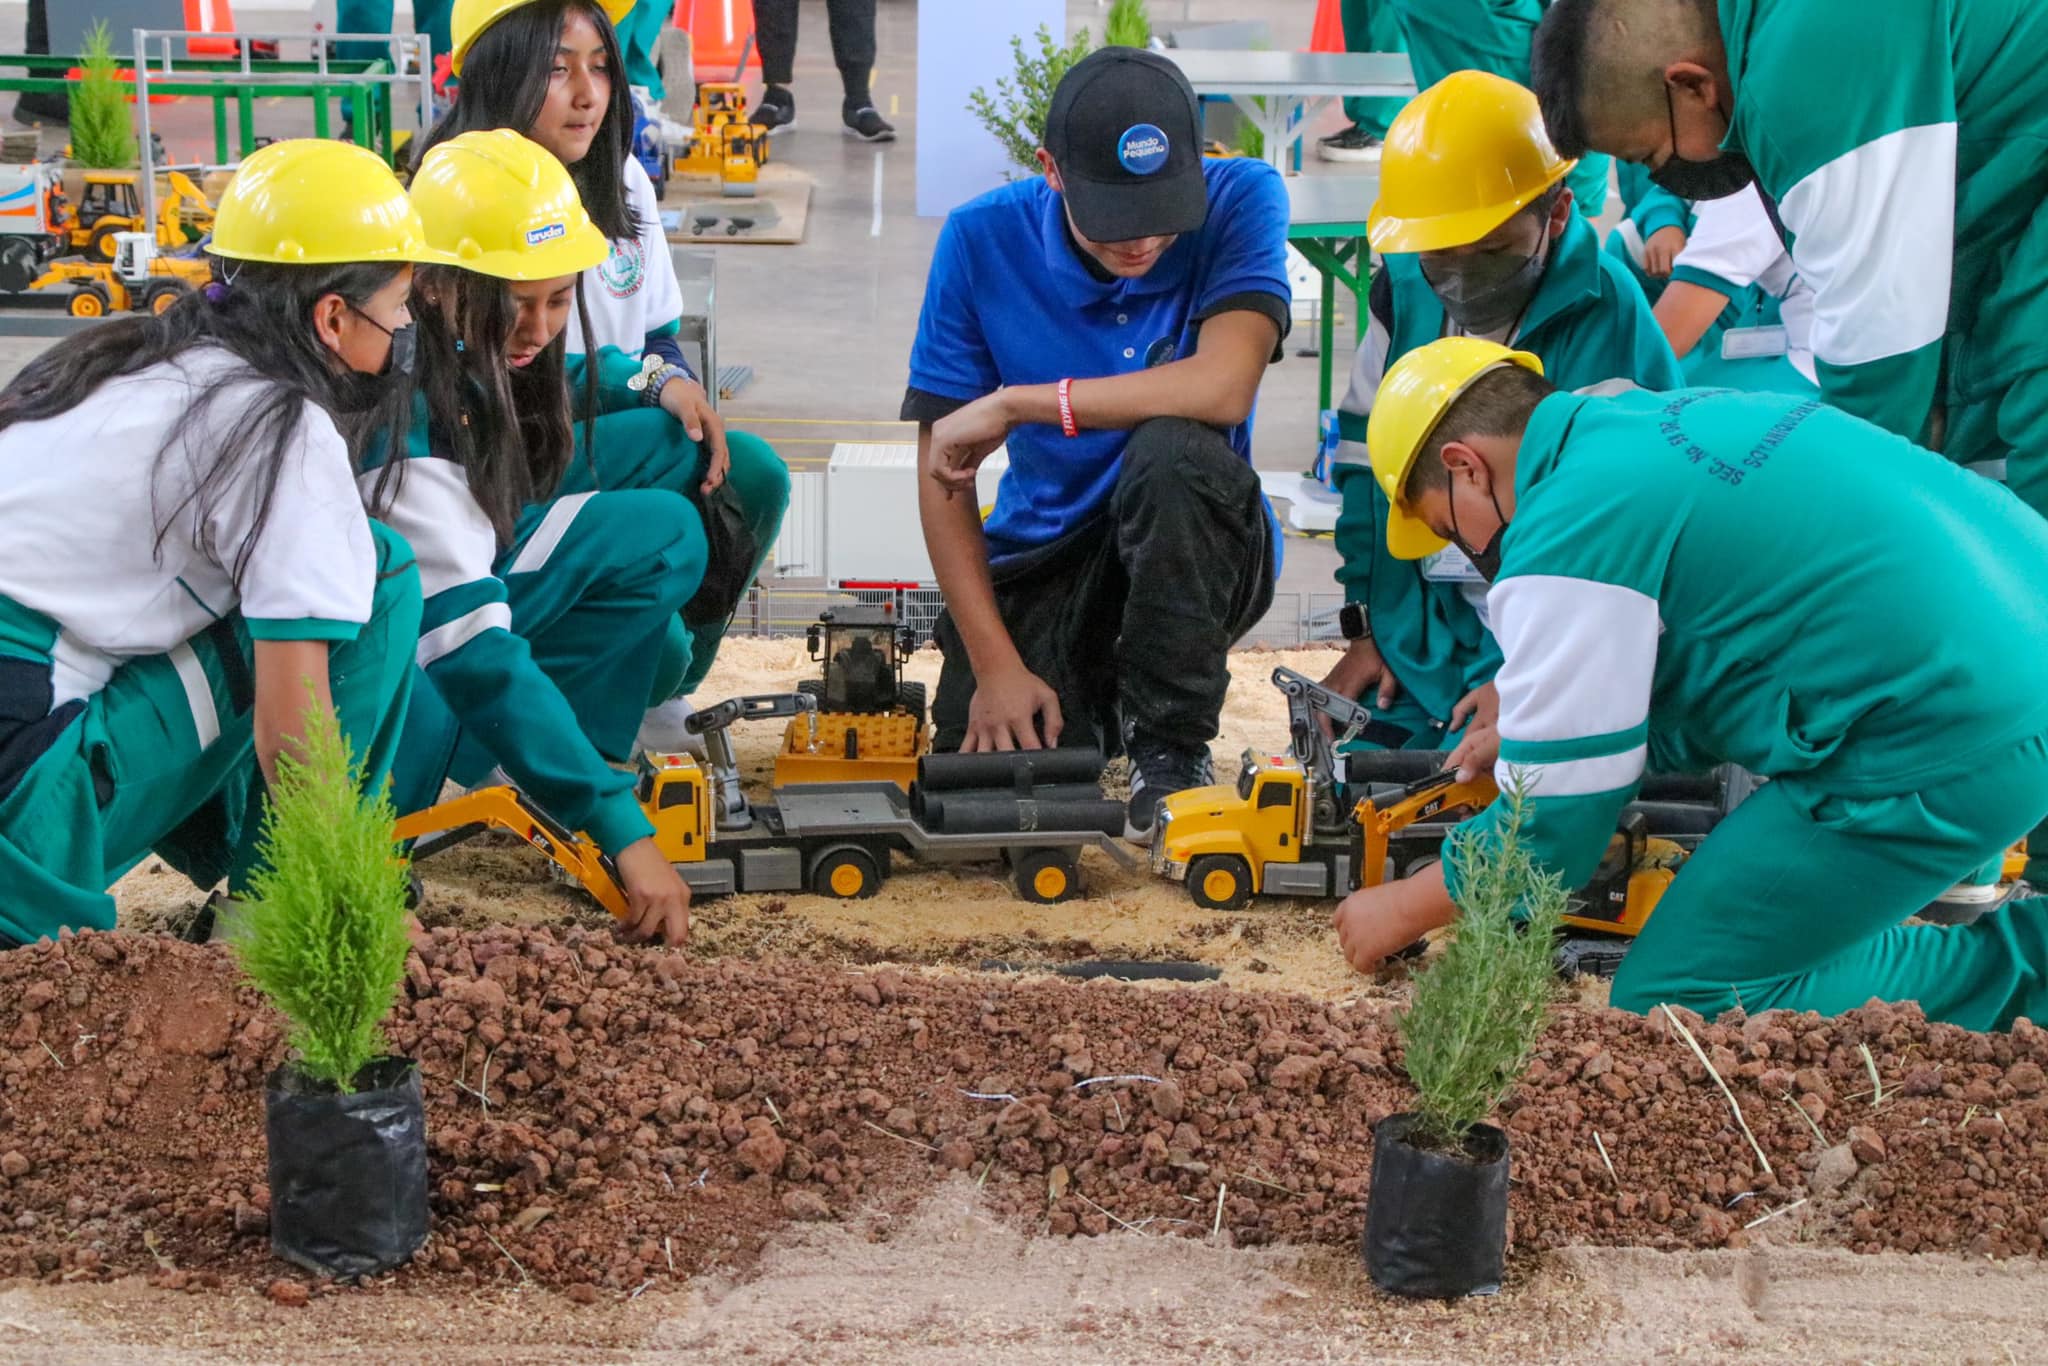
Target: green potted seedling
<point>323,937</point>
<point>1436,1214</point>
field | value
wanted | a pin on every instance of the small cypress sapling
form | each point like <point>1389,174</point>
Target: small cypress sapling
<point>1128,24</point>
<point>324,933</point>
<point>1016,114</point>
<point>102,130</point>
<point>1479,1009</point>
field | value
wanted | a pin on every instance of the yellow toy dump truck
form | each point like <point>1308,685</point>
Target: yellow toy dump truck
<point>869,725</point>
<point>726,143</point>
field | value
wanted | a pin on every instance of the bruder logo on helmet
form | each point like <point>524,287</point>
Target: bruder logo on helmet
<point>1142,149</point>
<point>546,233</point>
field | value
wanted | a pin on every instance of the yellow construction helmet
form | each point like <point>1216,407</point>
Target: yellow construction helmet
<point>472,17</point>
<point>316,202</point>
<point>495,203</point>
<point>1459,161</point>
<point>1416,393</point>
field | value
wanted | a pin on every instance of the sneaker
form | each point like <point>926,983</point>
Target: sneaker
<point>1967,902</point>
<point>1353,144</point>
<point>867,125</point>
<point>1158,770</point>
<point>777,110</point>
<point>35,108</point>
<point>662,730</point>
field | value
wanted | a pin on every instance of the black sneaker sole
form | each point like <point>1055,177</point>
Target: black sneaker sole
<point>776,130</point>
<point>886,135</point>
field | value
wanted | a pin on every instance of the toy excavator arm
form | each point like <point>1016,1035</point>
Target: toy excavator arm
<point>506,808</point>
<point>1437,795</point>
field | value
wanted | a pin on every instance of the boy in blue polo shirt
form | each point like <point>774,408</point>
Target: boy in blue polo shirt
<point>1110,323</point>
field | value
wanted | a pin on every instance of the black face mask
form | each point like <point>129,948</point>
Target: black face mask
<point>1486,291</point>
<point>1726,174</point>
<point>356,392</point>
<point>1486,558</point>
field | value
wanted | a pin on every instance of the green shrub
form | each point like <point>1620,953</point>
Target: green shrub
<point>102,130</point>
<point>1016,112</point>
<point>324,932</point>
<point>1480,1007</point>
<point>1128,25</point>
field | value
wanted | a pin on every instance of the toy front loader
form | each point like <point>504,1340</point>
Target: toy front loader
<point>506,808</point>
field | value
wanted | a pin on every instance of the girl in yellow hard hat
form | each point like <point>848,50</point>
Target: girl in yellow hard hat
<point>551,69</point>
<point>545,614</point>
<point>186,560</point>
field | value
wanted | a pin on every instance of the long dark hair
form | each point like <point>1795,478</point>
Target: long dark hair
<point>250,412</point>
<point>505,83</point>
<point>508,429</point>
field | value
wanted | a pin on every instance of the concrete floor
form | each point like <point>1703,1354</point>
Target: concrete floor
<point>827,324</point>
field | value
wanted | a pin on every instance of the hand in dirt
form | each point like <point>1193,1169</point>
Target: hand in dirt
<point>964,438</point>
<point>1661,250</point>
<point>1480,747</point>
<point>657,898</point>
<point>1359,668</point>
<point>1009,711</point>
<point>686,402</point>
<point>1375,923</point>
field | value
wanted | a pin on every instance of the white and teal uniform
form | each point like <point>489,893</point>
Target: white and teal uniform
<point>636,306</point>
<point>1588,325</point>
<point>539,657</point>
<point>126,684</point>
<point>1915,198</point>
<point>1707,577</point>
<point>1763,339</point>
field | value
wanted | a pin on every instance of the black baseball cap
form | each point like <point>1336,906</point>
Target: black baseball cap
<point>1126,132</point>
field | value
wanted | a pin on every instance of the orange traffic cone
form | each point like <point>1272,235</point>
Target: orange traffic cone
<point>721,36</point>
<point>1328,35</point>
<point>210,16</point>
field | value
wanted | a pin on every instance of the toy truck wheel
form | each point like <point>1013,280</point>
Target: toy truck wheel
<point>161,297</point>
<point>90,302</point>
<point>1220,882</point>
<point>1046,877</point>
<point>911,697</point>
<point>812,687</point>
<point>101,245</point>
<point>849,874</point>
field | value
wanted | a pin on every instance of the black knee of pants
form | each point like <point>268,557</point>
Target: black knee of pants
<point>1131,617</point>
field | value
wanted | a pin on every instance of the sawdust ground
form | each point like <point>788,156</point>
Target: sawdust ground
<point>936,916</point>
<point>947,1284</point>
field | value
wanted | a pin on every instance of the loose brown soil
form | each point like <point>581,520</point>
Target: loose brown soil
<point>651,1118</point>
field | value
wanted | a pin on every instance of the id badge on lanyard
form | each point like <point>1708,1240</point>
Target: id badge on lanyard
<point>1450,565</point>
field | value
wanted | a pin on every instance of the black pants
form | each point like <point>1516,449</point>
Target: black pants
<point>1130,619</point>
<point>37,40</point>
<point>853,43</point>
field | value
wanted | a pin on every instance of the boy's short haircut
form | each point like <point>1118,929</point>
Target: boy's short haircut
<point>1498,404</point>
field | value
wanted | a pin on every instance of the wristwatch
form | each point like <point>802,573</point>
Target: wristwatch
<point>1351,621</point>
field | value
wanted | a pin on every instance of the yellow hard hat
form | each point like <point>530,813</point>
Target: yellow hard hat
<point>1459,161</point>
<point>471,17</point>
<point>316,202</point>
<point>1416,393</point>
<point>495,203</point>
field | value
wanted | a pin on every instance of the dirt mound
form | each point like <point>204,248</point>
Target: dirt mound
<point>614,1117</point>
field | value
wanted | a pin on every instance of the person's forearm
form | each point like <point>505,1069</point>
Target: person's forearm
<point>1685,311</point>
<point>291,682</point>
<point>1199,388</point>
<point>952,536</point>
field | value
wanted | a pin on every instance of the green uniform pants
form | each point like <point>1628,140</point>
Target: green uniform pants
<point>1797,900</point>
<point>650,449</point>
<point>1487,35</point>
<point>375,16</point>
<point>639,38</point>
<point>594,581</point>
<point>1373,26</point>
<point>164,758</point>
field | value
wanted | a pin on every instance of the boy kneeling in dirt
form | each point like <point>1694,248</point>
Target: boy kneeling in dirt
<point>1111,322</point>
<point>1706,576</point>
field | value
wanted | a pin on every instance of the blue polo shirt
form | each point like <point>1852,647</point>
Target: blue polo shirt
<point>1011,301</point>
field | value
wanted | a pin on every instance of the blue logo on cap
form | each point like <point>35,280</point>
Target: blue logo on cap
<point>1142,149</point>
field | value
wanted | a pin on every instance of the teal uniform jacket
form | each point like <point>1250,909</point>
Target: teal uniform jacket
<point>1488,35</point>
<point>1913,198</point>
<point>1588,324</point>
<point>1707,577</point>
<point>481,667</point>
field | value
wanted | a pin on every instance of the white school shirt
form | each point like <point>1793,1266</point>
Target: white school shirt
<point>1733,239</point>
<point>80,498</point>
<point>634,291</point>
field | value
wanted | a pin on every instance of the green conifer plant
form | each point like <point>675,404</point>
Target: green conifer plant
<point>1129,24</point>
<point>323,934</point>
<point>1016,112</point>
<point>1478,1010</point>
<point>102,129</point>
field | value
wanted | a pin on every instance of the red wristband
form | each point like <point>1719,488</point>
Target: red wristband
<point>1067,424</point>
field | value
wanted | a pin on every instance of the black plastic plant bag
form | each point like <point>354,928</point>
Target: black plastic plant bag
<point>1436,1225</point>
<point>348,1173</point>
